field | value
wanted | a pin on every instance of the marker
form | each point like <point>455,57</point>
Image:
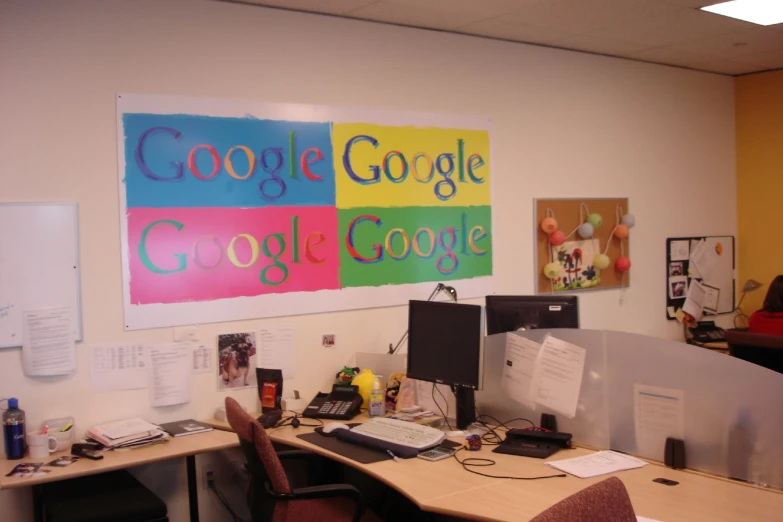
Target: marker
<point>67,427</point>
<point>45,429</point>
<point>392,455</point>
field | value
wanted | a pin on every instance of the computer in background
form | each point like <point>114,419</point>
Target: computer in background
<point>529,312</point>
<point>444,347</point>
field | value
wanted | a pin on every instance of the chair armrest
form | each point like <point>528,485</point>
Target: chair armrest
<point>327,491</point>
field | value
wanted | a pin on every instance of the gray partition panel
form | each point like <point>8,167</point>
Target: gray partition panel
<point>590,426</point>
<point>733,410</point>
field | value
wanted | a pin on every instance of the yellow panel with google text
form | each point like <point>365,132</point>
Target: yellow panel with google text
<point>384,166</point>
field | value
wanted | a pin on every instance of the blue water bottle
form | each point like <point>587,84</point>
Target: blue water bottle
<point>13,431</point>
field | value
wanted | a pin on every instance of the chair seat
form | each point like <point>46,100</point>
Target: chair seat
<point>109,497</point>
<point>324,510</point>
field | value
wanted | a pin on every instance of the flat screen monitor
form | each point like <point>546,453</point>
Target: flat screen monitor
<point>444,343</point>
<point>507,313</point>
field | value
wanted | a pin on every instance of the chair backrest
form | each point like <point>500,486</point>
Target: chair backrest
<point>265,468</point>
<point>607,501</point>
<point>761,349</point>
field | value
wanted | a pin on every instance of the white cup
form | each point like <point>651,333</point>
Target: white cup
<point>40,446</point>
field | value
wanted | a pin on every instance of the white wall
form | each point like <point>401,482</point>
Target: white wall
<point>565,124</point>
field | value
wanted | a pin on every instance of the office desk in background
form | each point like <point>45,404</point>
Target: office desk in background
<point>176,447</point>
<point>445,487</point>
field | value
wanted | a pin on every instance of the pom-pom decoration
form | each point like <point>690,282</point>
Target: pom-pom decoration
<point>623,264</point>
<point>601,261</point>
<point>621,232</point>
<point>549,225</point>
<point>551,270</point>
<point>628,220</point>
<point>557,238</point>
<point>585,230</point>
<point>595,219</point>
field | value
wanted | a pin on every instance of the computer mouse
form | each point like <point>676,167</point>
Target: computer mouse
<point>332,426</point>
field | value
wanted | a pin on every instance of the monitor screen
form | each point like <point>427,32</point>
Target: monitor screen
<point>528,312</point>
<point>444,343</point>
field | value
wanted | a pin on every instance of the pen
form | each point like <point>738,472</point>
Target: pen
<point>392,455</point>
<point>45,429</point>
<point>67,426</point>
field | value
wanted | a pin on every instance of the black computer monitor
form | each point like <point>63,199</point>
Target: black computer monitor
<point>444,346</point>
<point>507,313</point>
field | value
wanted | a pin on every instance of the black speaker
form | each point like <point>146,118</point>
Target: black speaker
<point>674,455</point>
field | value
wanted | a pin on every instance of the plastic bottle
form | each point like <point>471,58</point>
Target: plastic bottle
<point>13,431</point>
<point>377,397</point>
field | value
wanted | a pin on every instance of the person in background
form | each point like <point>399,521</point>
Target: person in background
<point>769,320</point>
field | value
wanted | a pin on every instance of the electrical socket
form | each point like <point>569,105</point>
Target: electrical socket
<point>208,475</point>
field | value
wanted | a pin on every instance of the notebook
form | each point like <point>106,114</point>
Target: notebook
<point>184,427</point>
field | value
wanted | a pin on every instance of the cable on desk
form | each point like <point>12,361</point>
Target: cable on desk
<point>289,421</point>
<point>445,415</point>
<point>476,462</point>
<point>492,437</point>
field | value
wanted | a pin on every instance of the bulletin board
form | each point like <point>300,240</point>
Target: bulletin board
<point>679,268</point>
<point>568,215</point>
<point>39,264</point>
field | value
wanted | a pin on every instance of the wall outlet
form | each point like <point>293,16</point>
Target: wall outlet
<point>208,475</point>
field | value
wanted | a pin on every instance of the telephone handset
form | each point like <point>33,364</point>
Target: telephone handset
<point>342,403</point>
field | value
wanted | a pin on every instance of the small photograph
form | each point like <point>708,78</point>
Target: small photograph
<point>676,269</point>
<point>678,287</point>
<point>28,470</point>
<point>327,340</point>
<point>236,361</point>
<point>62,462</point>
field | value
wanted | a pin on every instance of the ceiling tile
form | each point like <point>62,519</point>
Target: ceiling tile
<point>497,28</point>
<point>735,45</point>
<point>674,27</point>
<point>317,6</point>
<point>583,16</point>
<point>773,60</point>
<point>669,56</point>
<point>414,16</point>
<point>598,44</point>
<point>728,67</point>
<point>481,9</point>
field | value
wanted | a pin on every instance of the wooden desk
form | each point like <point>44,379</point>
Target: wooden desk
<point>176,447</point>
<point>445,487</point>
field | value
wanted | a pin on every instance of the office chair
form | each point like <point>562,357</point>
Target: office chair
<point>270,496</point>
<point>760,349</point>
<point>607,501</point>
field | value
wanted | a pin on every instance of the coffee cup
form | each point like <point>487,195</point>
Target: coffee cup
<point>41,445</point>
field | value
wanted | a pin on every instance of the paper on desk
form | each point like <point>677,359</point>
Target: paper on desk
<point>48,346</point>
<point>679,250</point>
<point>203,358</point>
<point>118,366</point>
<point>520,362</point>
<point>658,414</point>
<point>169,374</point>
<point>276,349</point>
<point>645,519</point>
<point>125,427</point>
<point>694,300</point>
<point>598,463</point>
<point>557,377</point>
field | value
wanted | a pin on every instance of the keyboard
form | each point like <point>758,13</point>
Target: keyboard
<point>399,432</point>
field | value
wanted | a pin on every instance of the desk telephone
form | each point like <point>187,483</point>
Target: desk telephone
<point>707,332</point>
<point>342,403</point>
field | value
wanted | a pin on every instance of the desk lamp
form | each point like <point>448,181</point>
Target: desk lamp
<point>439,288</point>
<point>751,285</point>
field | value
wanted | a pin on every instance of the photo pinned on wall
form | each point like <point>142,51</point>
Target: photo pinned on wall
<point>711,298</point>
<point>575,259</point>
<point>236,357</point>
<point>678,287</point>
<point>328,340</point>
<point>676,268</point>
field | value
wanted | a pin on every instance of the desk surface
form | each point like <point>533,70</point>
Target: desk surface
<point>444,487</point>
<point>176,447</point>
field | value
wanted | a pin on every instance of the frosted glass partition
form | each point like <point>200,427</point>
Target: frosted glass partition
<point>733,410</point>
<point>590,426</point>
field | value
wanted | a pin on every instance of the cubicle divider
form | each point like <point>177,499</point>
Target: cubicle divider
<point>732,410</point>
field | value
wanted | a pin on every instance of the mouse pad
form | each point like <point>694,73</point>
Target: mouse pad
<point>360,454</point>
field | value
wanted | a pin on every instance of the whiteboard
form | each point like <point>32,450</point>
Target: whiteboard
<point>39,264</point>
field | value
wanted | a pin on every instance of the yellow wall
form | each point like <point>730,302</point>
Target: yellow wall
<point>759,127</point>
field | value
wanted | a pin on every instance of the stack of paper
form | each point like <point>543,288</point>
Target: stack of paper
<point>598,463</point>
<point>127,433</point>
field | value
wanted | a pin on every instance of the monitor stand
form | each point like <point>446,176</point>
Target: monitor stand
<point>466,406</point>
